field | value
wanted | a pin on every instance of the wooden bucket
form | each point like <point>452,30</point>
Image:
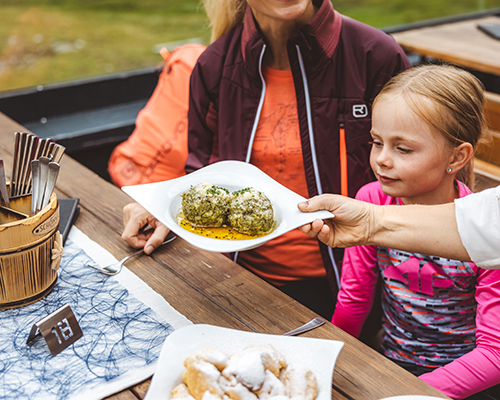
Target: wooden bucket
<point>27,271</point>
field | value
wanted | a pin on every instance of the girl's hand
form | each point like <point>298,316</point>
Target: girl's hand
<point>352,225</point>
<point>142,229</point>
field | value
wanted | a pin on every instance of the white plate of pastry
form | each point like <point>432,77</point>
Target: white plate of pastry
<point>245,365</point>
<point>164,201</point>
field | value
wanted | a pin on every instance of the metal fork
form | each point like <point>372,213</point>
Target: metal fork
<point>115,268</point>
<point>312,324</point>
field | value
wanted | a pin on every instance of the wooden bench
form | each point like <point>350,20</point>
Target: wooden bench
<point>488,155</point>
<point>490,152</point>
<point>487,160</point>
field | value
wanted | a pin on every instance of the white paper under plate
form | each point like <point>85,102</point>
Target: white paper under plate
<point>319,355</point>
<point>163,200</point>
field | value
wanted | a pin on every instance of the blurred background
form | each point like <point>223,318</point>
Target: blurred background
<point>79,71</point>
<point>51,41</point>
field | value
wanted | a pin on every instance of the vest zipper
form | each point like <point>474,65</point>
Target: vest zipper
<point>313,151</point>
<point>259,108</point>
<point>257,118</point>
<point>311,138</point>
<point>344,188</point>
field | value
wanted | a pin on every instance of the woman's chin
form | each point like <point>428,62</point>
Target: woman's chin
<point>300,11</point>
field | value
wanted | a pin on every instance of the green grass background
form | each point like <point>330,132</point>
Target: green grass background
<point>49,41</point>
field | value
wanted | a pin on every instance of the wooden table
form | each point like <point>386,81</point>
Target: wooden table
<point>209,288</point>
<point>459,43</point>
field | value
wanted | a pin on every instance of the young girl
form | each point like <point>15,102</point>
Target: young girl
<point>440,316</point>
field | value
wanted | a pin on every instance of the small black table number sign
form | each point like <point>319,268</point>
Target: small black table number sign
<point>60,330</point>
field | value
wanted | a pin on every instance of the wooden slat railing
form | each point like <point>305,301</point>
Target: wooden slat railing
<point>487,161</point>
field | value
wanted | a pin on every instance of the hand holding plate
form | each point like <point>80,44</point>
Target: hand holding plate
<point>142,230</point>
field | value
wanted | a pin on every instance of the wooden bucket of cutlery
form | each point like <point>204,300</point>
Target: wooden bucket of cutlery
<point>30,251</point>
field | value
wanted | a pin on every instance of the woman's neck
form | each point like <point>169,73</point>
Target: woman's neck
<point>277,31</point>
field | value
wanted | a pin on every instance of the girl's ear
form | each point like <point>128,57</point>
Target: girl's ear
<point>461,156</point>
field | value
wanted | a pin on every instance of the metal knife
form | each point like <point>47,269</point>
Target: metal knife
<point>35,180</point>
<point>51,182</point>
<point>44,175</point>
<point>3,185</point>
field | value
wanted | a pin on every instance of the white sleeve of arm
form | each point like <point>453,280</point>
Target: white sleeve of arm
<point>478,220</point>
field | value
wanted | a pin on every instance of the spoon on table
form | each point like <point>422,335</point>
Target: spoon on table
<point>115,268</point>
<point>312,324</point>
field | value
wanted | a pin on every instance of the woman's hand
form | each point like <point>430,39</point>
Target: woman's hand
<point>142,229</point>
<point>352,225</point>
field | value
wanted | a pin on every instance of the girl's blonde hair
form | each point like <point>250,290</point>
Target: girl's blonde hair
<point>224,15</point>
<point>456,106</point>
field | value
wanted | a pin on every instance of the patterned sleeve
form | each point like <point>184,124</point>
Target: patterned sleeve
<point>357,289</point>
<point>480,368</point>
<point>358,284</point>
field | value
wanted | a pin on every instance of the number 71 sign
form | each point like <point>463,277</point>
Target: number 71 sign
<point>60,329</point>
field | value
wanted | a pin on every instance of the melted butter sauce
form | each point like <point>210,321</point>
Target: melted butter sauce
<point>224,232</point>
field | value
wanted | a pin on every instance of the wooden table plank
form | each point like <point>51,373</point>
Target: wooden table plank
<point>209,288</point>
<point>124,395</point>
<point>460,43</point>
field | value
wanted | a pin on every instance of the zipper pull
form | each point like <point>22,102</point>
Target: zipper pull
<point>344,188</point>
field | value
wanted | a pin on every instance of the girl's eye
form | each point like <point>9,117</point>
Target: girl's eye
<point>376,143</point>
<point>404,150</point>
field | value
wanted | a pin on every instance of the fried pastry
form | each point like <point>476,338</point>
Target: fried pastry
<point>181,392</point>
<point>300,383</point>
<point>200,377</point>
<point>271,387</point>
<point>213,356</point>
<point>239,392</point>
<point>255,373</point>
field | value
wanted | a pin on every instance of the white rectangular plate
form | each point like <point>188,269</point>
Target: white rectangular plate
<point>318,355</point>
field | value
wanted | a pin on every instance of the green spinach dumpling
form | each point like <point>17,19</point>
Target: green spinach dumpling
<point>251,212</point>
<point>206,205</point>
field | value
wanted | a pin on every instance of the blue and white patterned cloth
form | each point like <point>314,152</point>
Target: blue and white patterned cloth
<point>122,336</point>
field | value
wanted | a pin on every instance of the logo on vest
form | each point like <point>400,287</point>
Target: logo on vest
<point>359,110</point>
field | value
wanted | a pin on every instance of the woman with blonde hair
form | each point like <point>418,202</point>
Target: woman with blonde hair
<point>288,87</point>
